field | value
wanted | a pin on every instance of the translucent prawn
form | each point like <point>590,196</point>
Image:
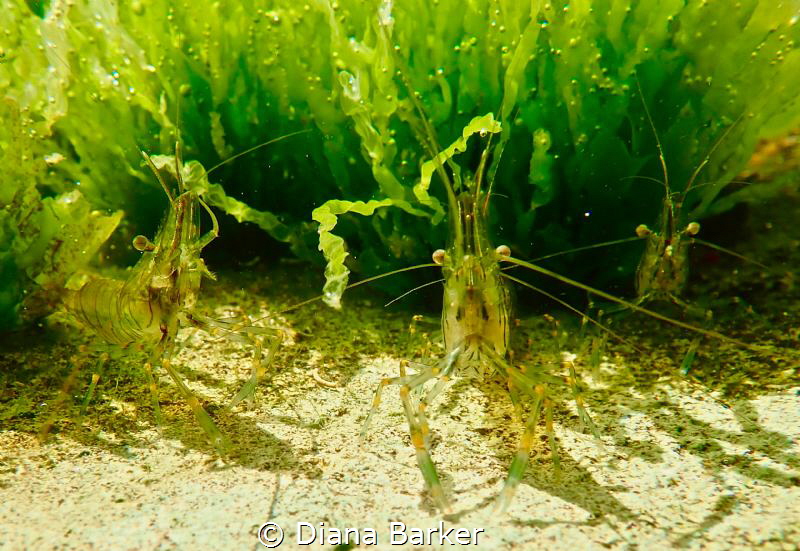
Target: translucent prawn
<point>149,306</point>
<point>663,270</point>
<point>476,324</point>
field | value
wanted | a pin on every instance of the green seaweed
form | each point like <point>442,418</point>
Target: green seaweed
<point>44,241</point>
<point>479,125</point>
<point>333,246</point>
<point>103,80</point>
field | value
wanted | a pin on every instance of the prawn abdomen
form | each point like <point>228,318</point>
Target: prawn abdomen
<point>106,307</point>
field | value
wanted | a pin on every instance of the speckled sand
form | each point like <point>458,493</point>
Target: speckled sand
<point>677,467</point>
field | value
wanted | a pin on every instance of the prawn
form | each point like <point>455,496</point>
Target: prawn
<point>662,273</point>
<point>158,297</point>
<point>663,269</point>
<point>476,324</point>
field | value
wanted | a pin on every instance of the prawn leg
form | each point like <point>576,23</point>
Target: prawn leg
<point>405,381</point>
<point>520,462</point>
<point>259,369</point>
<point>688,359</point>
<point>63,395</point>
<point>419,429</point>
<point>515,400</point>
<point>241,332</point>
<point>690,309</point>
<point>551,436</point>
<point>216,437</point>
<point>101,362</point>
<point>534,384</point>
<point>89,394</point>
<point>151,382</point>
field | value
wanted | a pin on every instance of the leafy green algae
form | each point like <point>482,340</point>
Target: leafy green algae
<point>103,80</point>
<point>43,241</point>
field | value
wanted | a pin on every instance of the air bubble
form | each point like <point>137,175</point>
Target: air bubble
<point>385,18</point>
<point>350,85</point>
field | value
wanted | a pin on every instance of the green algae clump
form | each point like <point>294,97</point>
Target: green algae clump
<point>106,80</point>
<point>43,240</point>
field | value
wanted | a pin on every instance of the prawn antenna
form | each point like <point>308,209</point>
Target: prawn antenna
<point>655,133</point>
<point>500,147</point>
<point>707,158</point>
<point>254,148</point>
<point>160,179</point>
<point>414,290</point>
<point>357,284</point>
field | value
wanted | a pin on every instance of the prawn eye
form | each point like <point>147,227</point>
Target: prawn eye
<point>503,250</point>
<point>438,256</point>
<point>141,244</point>
<point>643,231</point>
<point>693,228</point>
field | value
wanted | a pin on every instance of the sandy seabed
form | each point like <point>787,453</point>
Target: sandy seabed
<point>678,465</point>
